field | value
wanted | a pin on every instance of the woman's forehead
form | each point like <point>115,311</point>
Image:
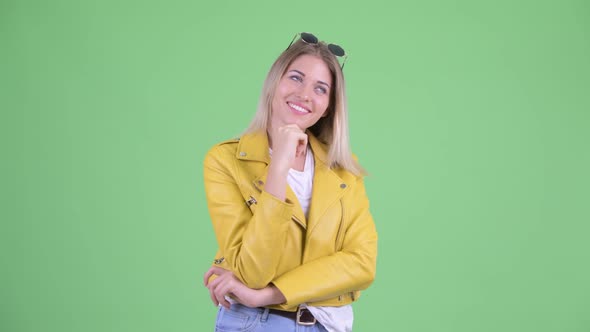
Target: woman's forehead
<point>311,66</point>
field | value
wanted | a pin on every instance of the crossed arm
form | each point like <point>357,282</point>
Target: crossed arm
<point>352,268</point>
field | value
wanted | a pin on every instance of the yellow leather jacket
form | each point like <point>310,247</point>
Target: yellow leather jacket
<point>322,260</point>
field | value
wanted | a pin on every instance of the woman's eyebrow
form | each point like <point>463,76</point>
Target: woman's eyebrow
<point>302,74</point>
<point>324,83</point>
<point>297,71</point>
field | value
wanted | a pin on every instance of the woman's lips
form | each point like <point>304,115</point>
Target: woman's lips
<point>298,108</point>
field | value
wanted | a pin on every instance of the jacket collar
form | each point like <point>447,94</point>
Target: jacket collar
<point>254,146</point>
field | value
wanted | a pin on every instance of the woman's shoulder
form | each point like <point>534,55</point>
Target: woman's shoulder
<point>223,149</point>
<point>228,141</point>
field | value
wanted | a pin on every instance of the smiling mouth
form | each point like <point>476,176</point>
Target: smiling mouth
<point>298,108</point>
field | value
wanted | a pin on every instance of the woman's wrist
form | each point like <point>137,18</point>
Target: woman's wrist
<point>279,167</point>
<point>276,181</point>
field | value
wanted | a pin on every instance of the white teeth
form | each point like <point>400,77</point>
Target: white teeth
<point>299,108</point>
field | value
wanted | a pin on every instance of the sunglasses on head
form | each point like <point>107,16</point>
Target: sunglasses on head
<point>308,38</point>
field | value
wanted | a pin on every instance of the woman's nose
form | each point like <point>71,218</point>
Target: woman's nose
<point>305,91</point>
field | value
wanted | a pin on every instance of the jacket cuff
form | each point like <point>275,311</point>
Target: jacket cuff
<point>294,295</point>
<point>276,206</point>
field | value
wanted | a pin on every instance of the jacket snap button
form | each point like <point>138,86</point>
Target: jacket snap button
<point>242,154</point>
<point>343,185</point>
<point>260,182</point>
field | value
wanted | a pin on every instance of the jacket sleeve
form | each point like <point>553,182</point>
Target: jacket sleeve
<point>247,241</point>
<point>350,269</point>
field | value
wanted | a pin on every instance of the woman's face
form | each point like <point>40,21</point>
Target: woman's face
<point>303,94</point>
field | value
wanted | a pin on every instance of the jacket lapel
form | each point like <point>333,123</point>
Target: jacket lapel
<point>328,187</point>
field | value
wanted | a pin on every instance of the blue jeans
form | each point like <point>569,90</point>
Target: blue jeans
<point>246,319</point>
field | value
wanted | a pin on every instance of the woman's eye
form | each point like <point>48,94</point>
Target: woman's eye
<point>296,78</point>
<point>321,90</point>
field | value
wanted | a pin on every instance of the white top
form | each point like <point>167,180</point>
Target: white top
<point>302,182</point>
<point>334,319</point>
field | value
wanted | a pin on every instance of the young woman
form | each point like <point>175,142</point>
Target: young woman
<point>288,204</point>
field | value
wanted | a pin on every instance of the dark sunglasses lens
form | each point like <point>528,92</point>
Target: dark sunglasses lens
<point>336,50</point>
<point>309,38</point>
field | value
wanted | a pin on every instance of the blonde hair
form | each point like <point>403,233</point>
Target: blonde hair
<point>332,129</point>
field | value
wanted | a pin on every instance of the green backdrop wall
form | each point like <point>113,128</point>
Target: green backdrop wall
<point>471,116</point>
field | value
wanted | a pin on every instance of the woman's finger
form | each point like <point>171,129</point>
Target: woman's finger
<point>301,145</point>
<point>225,287</point>
<point>213,284</point>
<point>213,297</point>
<point>207,275</point>
<point>213,270</point>
<point>220,297</point>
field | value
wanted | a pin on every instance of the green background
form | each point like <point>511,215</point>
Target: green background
<point>471,117</point>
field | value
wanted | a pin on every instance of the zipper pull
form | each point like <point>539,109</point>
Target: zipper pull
<point>251,201</point>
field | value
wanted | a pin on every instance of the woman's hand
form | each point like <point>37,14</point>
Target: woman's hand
<point>288,143</point>
<point>226,283</point>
